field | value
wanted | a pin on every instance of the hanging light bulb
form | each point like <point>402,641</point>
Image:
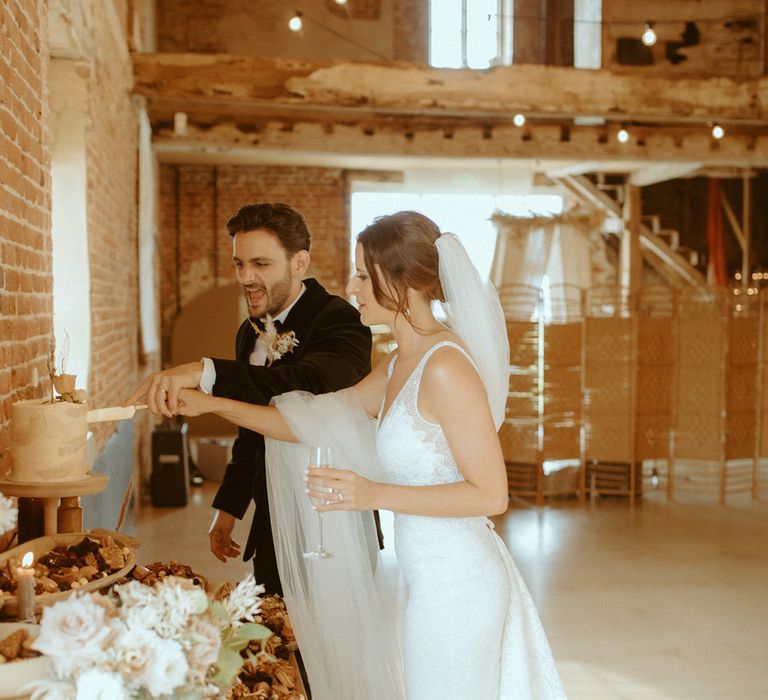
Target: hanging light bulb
<point>649,35</point>
<point>518,120</point>
<point>623,135</point>
<point>717,131</point>
<point>340,2</point>
<point>180,123</point>
<point>295,23</point>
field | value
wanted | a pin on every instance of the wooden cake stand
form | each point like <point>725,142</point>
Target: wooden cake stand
<point>62,511</point>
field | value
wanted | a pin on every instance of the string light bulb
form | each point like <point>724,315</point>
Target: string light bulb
<point>340,2</point>
<point>622,136</point>
<point>518,120</point>
<point>717,131</point>
<point>295,23</point>
<point>649,35</point>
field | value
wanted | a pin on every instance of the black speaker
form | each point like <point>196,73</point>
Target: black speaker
<point>169,483</point>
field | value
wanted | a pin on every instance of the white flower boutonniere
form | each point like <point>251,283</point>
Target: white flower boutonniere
<point>276,344</point>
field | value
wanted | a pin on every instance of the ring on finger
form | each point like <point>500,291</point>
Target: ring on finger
<point>341,497</point>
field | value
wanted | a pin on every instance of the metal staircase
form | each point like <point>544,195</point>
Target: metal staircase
<point>660,247</point>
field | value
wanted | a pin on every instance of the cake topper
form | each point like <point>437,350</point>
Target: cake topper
<point>62,382</point>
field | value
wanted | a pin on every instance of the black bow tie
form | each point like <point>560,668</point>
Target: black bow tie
<point>260,324</point>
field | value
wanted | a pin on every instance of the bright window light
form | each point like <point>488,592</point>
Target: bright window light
<point>466,215</point>
<point>464,33</point>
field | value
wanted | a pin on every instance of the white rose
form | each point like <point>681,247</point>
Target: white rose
<point>205,638</point>
<point>74,634</point>
<point>100,685</point>
<point>135,594</point>
<point>152,663</point>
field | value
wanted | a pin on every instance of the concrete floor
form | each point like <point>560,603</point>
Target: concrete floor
<point>657,601</point>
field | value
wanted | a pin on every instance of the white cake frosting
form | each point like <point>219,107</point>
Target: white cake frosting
<point>48,441</point>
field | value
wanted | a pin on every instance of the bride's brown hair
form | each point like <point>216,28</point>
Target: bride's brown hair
<point>402,247</point>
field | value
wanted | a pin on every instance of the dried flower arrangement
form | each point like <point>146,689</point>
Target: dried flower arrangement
<point>165,640</point>
<point>60,381</point>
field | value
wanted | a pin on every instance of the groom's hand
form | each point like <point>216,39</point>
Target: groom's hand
<point>160,391</point>
<point>220,536</point>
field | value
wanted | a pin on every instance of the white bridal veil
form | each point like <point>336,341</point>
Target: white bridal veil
<point>344,619</point>
<point>475,315</point>
<point>345,626</point>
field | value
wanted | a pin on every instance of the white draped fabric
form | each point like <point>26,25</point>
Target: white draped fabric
<point>340,608</point>
<point>567,248</point>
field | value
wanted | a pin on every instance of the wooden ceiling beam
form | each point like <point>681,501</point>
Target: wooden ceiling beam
<point>536,142</point>
<point>301,87</point>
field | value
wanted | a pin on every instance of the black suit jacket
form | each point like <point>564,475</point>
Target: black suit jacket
<point>334,352</point>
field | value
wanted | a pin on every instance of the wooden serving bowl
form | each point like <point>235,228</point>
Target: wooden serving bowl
<point>42,545</point>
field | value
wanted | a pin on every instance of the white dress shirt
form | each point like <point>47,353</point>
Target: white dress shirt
<point>257,357</point>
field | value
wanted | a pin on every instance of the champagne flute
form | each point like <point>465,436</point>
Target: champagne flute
<point>320,456</point>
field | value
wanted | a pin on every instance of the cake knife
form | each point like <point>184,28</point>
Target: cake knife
<point>101,415</point>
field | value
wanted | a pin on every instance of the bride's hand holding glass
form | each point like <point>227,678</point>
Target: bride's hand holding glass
<point>340,489</point>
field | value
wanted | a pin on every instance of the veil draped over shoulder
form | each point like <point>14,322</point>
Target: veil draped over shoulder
<point>344,619</point>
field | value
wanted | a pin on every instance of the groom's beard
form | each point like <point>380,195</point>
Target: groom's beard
<point>275,299</point>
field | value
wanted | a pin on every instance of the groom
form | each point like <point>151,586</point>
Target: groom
<point>317,345</point>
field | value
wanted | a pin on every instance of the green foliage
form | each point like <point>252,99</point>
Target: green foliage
<point>233,641</point>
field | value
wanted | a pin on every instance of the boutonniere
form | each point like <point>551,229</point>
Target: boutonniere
<point>276,344</point>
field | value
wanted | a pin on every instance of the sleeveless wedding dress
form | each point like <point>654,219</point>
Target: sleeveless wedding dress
<point>470,629</point>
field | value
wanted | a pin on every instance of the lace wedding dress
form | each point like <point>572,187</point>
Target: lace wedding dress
<point>470,628</point>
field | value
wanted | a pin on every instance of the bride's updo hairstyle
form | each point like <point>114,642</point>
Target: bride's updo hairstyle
<point>402,247</point>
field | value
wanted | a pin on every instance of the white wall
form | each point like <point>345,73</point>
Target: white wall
<point>71,270</point>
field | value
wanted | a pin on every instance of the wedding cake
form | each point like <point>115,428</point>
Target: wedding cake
<point>48,441</point>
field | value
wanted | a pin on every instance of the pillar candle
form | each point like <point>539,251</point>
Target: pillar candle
<point>25,590</point>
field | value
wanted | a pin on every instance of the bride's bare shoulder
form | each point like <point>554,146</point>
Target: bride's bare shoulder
<point>449,364</point>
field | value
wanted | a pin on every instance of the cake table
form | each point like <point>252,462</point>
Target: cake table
<point>61,499</point>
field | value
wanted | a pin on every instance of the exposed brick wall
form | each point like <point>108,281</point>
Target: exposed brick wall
<point>112,215</point>
<point>25,209</point>
<point>196,251</point>
<point>25,222</point>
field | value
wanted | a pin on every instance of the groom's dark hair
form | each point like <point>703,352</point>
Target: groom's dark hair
<point>288,224</point>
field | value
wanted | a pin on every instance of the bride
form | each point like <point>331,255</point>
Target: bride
<point>469,628</point>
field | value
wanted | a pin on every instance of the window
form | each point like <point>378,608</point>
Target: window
<point>480,33</point>
<point>587,51</point>
<point>466,215</point>
<point>69,221</point>
<point>465,33</point>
